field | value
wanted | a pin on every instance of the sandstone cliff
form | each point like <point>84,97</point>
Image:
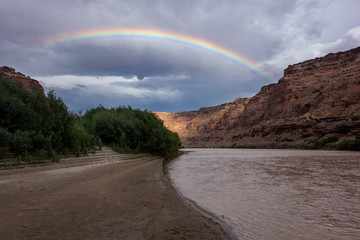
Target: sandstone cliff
<point>27,82</point>
<point>314,99</point>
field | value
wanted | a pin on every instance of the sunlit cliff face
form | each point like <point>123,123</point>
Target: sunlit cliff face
<point>314,99</point>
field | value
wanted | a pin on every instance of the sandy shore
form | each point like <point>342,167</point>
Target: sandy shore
<point>102,196</point>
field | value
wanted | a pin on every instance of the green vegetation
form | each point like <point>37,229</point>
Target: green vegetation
<point>332,143</point>
<point>129,130</point>
<point>248,146</point>
<point>329,143</point>
<point>34,127</point>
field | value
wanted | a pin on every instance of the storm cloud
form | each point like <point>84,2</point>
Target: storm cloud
<point>163,76</point>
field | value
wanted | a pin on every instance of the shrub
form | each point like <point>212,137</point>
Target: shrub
<point>32,124</point>
<point>131,130</point>
<point>332,143</point>
<point>35,124</point>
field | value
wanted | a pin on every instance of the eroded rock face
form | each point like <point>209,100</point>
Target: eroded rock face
<point>27,82</point>
<point>315,99</point>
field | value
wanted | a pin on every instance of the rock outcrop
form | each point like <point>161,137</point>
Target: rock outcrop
<point>314,99</point>
<point>28,83</point>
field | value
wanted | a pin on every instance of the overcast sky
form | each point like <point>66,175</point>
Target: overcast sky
<point>163,76</point>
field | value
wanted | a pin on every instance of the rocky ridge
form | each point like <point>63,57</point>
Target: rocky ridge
<point>28,83</point>
<point>314,99</point>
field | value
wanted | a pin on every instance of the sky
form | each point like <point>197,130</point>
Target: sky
<point>198,54</point>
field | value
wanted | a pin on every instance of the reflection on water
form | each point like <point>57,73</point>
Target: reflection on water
<point>275,194</point>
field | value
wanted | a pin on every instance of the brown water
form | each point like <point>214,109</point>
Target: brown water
<point>275,194</point>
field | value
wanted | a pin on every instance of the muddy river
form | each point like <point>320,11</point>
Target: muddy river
<point>275,194</point>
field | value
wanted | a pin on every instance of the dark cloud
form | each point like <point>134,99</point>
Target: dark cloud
<point>164,76</point>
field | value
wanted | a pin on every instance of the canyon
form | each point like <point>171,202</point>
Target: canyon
<point>314,99</point>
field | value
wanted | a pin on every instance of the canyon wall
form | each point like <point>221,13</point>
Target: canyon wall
<point>314,99</point>
<point>28,83</point>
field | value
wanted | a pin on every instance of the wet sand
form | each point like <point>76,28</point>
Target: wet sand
<point>101,196</point>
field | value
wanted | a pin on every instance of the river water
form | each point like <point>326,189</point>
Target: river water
<point>275,194</point>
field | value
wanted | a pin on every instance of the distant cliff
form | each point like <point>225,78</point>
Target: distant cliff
<point>27,82</point>
<point>315,99</point>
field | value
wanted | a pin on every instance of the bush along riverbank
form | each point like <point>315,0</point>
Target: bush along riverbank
<point>35,128</point>
<point>332,143</point>
<point>329,143</point>
<point>132,131</point>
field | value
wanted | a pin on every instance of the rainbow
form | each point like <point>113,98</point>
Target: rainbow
<point>161,36</point>
<point>150,34</point>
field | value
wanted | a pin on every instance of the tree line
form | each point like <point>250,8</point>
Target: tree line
<point>34,127</point>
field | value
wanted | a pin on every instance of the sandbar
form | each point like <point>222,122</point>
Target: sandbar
<point>100,196</point>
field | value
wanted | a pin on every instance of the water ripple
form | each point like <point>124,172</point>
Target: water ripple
<point>276,194</point>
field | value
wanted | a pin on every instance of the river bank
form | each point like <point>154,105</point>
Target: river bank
<point>102,196</point>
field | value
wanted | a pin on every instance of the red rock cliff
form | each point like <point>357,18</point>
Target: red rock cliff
<point>315,99</point>
<point>27,82</point>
